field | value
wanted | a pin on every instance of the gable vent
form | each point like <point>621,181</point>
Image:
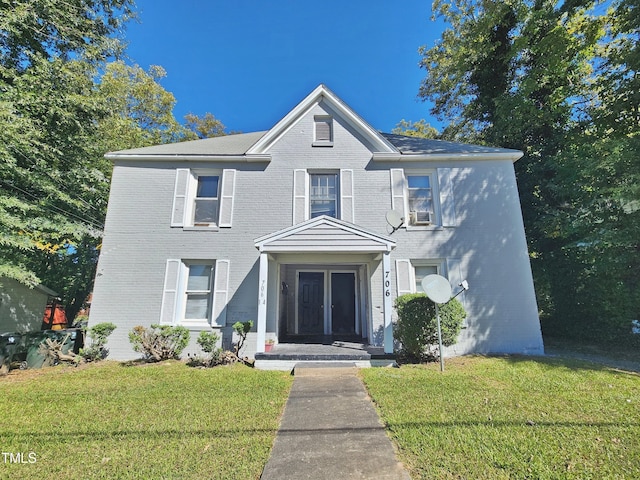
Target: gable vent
<point>324,129</point>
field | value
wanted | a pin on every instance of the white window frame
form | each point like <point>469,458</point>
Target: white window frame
<point>324,120</point>
<point>191,199</point>
<point>438,263</point>
<point>338,192</point>
<point>433,182</point>
<point>184,292</point>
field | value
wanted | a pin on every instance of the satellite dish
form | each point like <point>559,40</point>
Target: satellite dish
<point>437,288</point>
<point>394,219</point>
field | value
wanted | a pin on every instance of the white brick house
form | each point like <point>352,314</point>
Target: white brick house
<point>287,228</point>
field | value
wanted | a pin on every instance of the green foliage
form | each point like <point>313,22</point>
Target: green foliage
<point>559,81</point>
<point>242,329</point>
<point>207,126</point>
<point>62,107</point>
<point>159,342</point>
<point>417,329</point>
<point>208,341</point>
<point>419,129</point>
<point>98,334</point>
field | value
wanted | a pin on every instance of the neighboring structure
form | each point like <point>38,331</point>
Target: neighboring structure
<point>287,228</point>
<point>22,308</point>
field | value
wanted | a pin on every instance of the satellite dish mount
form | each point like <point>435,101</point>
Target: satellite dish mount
<point>395,220</point>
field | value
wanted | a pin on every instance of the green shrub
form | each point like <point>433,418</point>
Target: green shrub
<point>98,334</point>
<point>242,329</point>
<point>417,328</point>
<point>208,342</point>
<point>159,342</point>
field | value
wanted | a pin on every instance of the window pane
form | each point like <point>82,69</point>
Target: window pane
<point>206,211</point>
<point>422,271</point>
<point>199,277</point>
<point>420,194</point>
<point>323,195</point>
<point>421,181</point>
<point>207,187</point>
<point>197,306</point>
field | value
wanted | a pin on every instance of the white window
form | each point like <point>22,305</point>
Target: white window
<point>409,273</point>
<point>205,208</point>
<point>323,194</point>
<point>323,130</point>
<point>198,292</point>
<point>203,198</point>
<point>420,199</point>
<point>421,271</point>
<point>424,198</point>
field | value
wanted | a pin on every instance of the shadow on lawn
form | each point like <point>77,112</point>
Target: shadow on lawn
<point>578,361</point>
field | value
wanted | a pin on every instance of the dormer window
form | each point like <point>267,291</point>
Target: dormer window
<point>323,131</point>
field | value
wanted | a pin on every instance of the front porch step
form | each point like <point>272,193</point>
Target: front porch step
<point>324,369</point>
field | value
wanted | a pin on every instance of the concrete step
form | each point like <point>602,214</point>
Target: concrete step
<point>324,369</point>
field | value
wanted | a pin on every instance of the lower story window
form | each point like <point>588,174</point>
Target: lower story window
<point>421,271</point>
<point>198,291</point>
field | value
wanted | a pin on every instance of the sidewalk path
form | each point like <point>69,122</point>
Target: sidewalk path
<point>330,430</point>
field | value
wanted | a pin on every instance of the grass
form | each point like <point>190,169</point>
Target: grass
<point>511,417</point>
<point>161,421</point>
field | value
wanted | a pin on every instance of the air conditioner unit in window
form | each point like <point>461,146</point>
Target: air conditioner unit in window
<point>421,218</point>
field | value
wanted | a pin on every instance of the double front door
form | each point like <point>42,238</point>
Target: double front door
<point>326,303</point>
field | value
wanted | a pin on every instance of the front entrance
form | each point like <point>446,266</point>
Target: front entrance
<point>326,303</point>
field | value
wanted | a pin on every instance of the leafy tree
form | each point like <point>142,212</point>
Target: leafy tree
<point>558,81</point>
<point>62,106</point>
<point>207,126</point>
<point>420,129</point>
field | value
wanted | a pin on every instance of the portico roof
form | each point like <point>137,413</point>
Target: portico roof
<point>324,234</point>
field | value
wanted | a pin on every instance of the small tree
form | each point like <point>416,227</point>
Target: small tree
<point>159,342</point>
<point>242,329</point>
<point>98,334</point>
<point>417,328</point>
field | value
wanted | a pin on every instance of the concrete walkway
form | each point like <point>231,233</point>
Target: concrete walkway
<point>330,430</point>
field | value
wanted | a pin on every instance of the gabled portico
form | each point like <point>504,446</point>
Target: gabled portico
<point>324,272</point>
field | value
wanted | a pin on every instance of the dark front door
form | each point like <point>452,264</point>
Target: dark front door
<point>311,303</point>
<point>343,303</point>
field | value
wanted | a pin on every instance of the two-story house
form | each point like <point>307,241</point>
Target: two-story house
<point>288,228</point>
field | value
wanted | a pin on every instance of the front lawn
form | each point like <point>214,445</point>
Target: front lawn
<point>511,417</point>
<point>161,421</point>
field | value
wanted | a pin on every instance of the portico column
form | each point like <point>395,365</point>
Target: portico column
<point>261,326</point>
<point>386,305</point>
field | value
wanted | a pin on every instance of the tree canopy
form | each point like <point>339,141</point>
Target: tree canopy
<point>65,100</point>
<point>559,81</point>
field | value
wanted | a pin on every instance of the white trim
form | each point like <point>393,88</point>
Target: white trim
<point>346,185</point>
<point>226,196</point>
<point>263,289</point>
<point>386,303</point>
<point>441,157</point>
<point>322,93</point>
<point>191,158</point>
<point>383,243</point>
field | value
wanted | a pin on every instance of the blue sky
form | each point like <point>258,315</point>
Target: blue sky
<point>251,61</point>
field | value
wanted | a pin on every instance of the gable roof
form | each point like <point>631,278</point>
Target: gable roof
<point>324,234</point>
<point>322,93</point>
<point>254,147</point>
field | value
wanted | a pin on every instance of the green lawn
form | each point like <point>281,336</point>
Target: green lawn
<point>162,421</point>
<point>511,417</point>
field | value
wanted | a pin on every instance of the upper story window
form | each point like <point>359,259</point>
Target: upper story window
<point>317,193</point>
<point>323,194</point>
<point>423,197</point>
<point>203,198</point>
<point>323,131</point>
<point>420,199</point>
<point>205,210</point>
